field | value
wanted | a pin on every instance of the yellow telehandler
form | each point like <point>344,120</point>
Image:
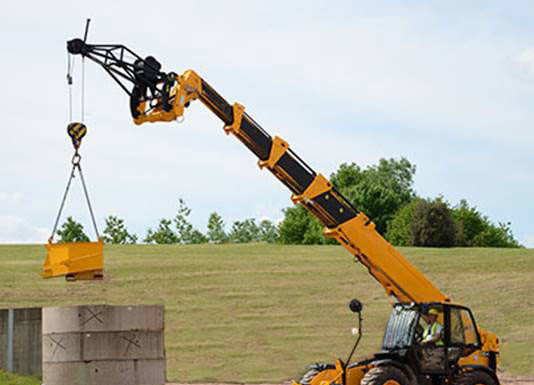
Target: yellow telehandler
<point>465,354</point>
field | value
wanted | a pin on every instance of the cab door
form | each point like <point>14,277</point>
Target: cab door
<point>463,335</point>
<point>432,358</point>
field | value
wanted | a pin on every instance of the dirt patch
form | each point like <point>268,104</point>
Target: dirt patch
<point>507,379</point>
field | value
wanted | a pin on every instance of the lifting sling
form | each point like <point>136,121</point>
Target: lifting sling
<point>74,260</point>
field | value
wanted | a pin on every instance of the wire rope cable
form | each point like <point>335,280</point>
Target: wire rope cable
<point>75,165</point>
<point>62,204</point>
<point>76,157</point>
<point>88,200</point>
<point>83,91</point>
<point>70,70</point>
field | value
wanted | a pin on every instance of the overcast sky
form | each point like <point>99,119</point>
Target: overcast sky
<point>448,85</point>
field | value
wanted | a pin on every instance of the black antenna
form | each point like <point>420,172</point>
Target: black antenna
<point>86,30</point>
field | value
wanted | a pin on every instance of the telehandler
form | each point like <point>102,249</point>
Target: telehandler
<point>466,354</point>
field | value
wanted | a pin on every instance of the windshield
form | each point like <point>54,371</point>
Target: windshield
<point>400,328</point>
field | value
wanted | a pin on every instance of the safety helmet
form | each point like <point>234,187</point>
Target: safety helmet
<point>433,312</point>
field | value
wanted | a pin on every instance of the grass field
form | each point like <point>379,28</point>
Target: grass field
<point>13,379</point>
<point>262,313</point>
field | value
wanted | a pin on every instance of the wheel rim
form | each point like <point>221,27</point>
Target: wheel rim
<point>393,382</point>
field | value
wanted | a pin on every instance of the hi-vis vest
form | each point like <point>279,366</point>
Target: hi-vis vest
<point>431,331</point>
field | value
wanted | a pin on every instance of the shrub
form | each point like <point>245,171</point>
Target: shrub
<point>496,236</point>
<point>475,229</point>
<point>399,232</point>
<point>432,224</point>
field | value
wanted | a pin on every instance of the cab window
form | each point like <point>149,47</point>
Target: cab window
<point>463,330</point>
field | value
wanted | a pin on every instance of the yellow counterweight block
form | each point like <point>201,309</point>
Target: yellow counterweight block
<point>75,261</point>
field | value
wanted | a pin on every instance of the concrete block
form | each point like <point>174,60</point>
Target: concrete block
<point>62,347</point>
<point>123,345</point>
<point>103,345</point>
<point>132,372</point>
<point>93,318</point>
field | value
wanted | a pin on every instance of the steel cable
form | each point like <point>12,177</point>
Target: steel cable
<point>75,165</point>
<point>87,198</point>
<point>62,203</point>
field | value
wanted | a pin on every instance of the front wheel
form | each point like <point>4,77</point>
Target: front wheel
<point>474,377</point>
<point>385,375</point>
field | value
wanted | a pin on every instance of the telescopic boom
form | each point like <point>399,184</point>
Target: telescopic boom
<point>157,96</point>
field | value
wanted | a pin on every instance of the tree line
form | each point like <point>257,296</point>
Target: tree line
<point>384,192</point>
<point>177,230</point>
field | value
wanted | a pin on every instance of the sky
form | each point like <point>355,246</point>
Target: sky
<point>448,85</point>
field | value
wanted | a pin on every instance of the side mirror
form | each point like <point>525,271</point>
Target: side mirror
<point>355,306</point>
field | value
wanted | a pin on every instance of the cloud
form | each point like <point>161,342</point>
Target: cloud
<point>17,230</point>
<point>10,197</point>
<point>526,60</point>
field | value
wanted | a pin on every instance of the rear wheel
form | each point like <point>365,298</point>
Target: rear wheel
<point>474,377</point>
<point>314,370</point>
<point>384,375</point>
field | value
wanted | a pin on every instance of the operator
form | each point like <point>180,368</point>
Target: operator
<point>434,331</point>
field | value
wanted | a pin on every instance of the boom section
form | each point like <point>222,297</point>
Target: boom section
<point>156,96</point>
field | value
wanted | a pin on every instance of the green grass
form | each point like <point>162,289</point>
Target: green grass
<point>13,379</point>
<point>262,313</point>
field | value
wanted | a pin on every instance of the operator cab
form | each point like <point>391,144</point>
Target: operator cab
<point>408,336</point>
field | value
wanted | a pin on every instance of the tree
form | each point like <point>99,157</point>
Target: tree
<point>399,232</point>
<point>470,223</point>
<point>496,236</point>
<point>268,231</point>
<point>116,232</point>
<point>163,235</point>
<point>216,233</point>
<point>379,190</point>
<point>185,231</point>
<point>194,237</point>
<point>432,224</point>
<point>72,231</point>
<point>472,229</point>
<point>244,231</point>
<point>477,230</point>
<point>301,228</point>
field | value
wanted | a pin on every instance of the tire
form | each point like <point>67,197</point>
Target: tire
<point>385,375</point>
<point>314,370</point>
<point>474,377</point>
